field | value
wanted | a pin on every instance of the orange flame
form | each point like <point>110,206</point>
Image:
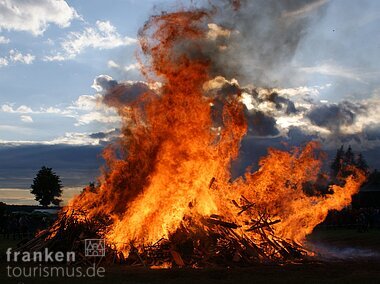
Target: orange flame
<point>158,175</point>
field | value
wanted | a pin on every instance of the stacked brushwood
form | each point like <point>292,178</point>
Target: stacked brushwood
<point>218,243</point>
<point>213,242</point>
<point>68,234</point>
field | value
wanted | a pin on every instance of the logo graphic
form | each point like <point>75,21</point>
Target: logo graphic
<point>95,247</point>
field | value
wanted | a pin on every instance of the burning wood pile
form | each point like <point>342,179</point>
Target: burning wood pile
<point>213,242</point>
<point>181,128</point>
<point>67,234</point>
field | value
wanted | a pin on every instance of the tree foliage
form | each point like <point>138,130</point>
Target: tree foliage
<point>344,159</point>
<point>361,163</point>
<point>47,187</point>
<point>337,162</point>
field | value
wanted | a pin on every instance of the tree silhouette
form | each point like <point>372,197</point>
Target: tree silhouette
<point>341,165</point>
<point>90,187</point>
<point>47,187</point>
<point>361,163</point>
<point>336,165</point>
<point>349,157</point>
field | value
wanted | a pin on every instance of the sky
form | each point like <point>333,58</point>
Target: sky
<point>57,57</point>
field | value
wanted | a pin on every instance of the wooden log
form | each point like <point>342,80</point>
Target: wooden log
<point>211,182</point>
<point>262,225</point>
<point>177,258</point>
<point>236,204</point>
<point>245,208</point>
<point>222,223</point>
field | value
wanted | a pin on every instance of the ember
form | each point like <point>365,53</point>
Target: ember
<point>166,197</point>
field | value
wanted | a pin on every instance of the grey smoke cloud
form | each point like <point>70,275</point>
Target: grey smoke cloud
<point>126,92</point>
<point>264,36</point>
<point>255,43</point>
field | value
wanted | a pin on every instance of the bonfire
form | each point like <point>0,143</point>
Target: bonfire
<point>166,196</point>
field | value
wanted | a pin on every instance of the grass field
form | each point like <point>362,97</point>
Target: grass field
<point>352,268</point>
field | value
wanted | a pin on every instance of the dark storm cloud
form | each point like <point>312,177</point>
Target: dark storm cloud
<point>334,116</point>
<point>261,124</point>
<point>298,137</point>
<point>331,116</point>
<point>282,102</point>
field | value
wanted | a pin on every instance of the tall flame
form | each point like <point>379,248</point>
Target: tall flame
<point>172,163</point>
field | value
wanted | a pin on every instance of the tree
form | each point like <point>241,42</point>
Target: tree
<point>337,163</point>
<point>361,163</point>
<point>90,187</point>
<point>47,187</point>
<point>341,167</point>
<point>349,157</point>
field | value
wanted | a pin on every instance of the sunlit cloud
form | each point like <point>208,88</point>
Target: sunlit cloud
<point>26,118</point>
<point>103,36</point>
<point>35,16</point>
<point>4,40</point>
<point>334,70</point>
